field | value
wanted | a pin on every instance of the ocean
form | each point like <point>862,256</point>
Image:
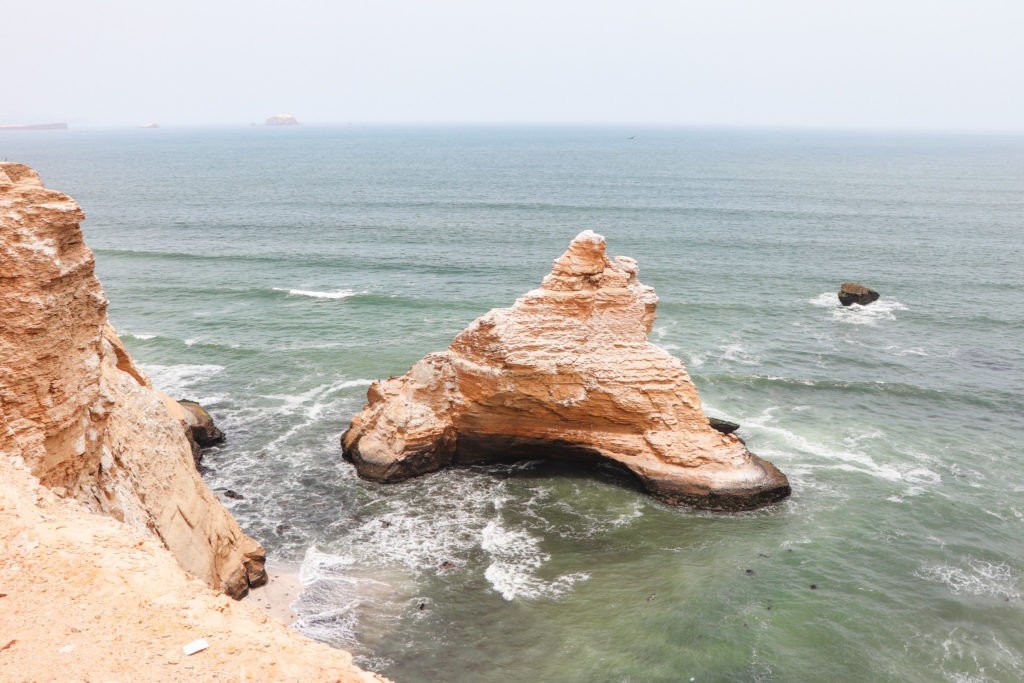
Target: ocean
<point>273,273</point>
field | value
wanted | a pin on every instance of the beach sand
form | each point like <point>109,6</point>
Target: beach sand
<point>277,595</point>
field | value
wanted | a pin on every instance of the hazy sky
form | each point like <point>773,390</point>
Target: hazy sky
<point>860,63</point>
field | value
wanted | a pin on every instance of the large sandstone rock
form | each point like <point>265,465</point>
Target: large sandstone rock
<point>566,373</point>
<point>77,410</point>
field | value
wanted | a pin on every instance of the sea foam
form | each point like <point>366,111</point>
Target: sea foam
<point>974,577</point>
<point>177,380</point>
<point>881,310</point>
<point>515,558</point>
<point>338,294</point>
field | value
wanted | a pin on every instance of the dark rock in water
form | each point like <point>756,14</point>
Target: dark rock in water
<point>200,424</point>
<point>234,495</point>
<point>852,293</point>
<point>723,426</point>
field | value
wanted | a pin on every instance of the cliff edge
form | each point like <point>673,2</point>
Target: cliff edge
<point>566,373</point>
<point>85,598</point>
<point>78,411</point>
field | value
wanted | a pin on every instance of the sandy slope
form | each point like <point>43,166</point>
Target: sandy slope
<point>84,598</point>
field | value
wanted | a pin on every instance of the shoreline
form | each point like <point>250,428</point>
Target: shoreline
<point>276,597</point>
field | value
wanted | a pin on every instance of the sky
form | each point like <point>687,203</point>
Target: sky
<point>892,64</point>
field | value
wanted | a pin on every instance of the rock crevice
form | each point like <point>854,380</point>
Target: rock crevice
<point>566,373</point>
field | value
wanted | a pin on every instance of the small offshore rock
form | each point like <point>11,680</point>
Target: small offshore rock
<point>232,494</point>
<point>281,120</point>
<point>724,426</point>
<point>851,293</point>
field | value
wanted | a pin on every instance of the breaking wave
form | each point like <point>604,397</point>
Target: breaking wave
<point>338,294</point>
<point>975,577</point>
<point>855,314</point>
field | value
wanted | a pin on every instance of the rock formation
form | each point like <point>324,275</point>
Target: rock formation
<point>79,412</point>
<point>851,293</point>
<point>281,120</point>
<point>199,427</point>
<point>565,373</point>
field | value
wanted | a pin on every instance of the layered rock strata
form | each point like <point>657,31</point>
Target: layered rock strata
<point>566,373</point>
<point>78,411</point>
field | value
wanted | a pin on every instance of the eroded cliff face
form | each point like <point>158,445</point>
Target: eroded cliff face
<point>567,373</point>
<point>75,408</point>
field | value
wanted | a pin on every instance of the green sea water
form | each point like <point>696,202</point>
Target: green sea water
<point>272,274</point>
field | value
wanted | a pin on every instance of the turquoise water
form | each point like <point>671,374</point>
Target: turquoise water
<point>273,273</point>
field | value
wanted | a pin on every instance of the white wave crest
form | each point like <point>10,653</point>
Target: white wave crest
<point>738,353</point>
<point>855,314</point>
<point>339,294</point>
<point>977,577</point>
<point>177,380</point>
<point>340,606</point>
<point>825,300</point>
<point>515,557</point>
<point>850,457</point>
<point>310,406</point>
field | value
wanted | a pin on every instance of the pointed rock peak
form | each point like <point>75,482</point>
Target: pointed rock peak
<point>585,256</point>
<point>585,266</point>
<point>589,236</point>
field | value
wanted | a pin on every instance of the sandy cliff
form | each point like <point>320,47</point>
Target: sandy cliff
<point>82,416</point>
<point>101,507</point>
<point>567,373</point>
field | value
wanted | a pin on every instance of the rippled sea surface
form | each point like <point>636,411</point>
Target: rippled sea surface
<point>272,274</point>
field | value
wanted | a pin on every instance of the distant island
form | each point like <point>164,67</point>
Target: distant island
<point>34,126</point>
<point>281,120</point>
<point>151,124</point>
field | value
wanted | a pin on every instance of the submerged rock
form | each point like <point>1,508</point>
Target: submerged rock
<point>566,373</point>
<point>851,293</point>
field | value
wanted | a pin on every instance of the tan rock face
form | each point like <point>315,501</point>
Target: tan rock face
<point>77,410</point>
<point>565,373</point>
